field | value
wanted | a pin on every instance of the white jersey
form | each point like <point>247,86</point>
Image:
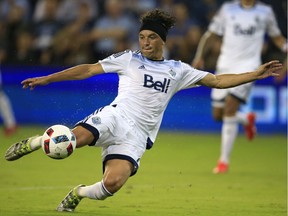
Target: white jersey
<point>243,31</point>
<point>146,87</point>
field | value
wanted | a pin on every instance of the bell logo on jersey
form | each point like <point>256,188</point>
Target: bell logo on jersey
<point>238,30</point>
<point>157,85</point>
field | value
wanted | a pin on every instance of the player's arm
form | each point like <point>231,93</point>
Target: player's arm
<point>203,48</point>
<point>230,80</point>
<point>79,72</point>
<point>280,42</point>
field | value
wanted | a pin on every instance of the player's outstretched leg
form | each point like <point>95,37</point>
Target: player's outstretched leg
<point>71,200</point>
<point>22,148</point>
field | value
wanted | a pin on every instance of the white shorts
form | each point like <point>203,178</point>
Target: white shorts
<point>240,92</point>
<point>116,134</point>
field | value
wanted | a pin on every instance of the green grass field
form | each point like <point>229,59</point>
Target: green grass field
<point>175,178</point>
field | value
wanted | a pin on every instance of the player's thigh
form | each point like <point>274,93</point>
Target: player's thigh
<point>83,136</point>
<point>217,113</point>
<point>236,96</point>
<point>232,105</point>
<point>117,172</point>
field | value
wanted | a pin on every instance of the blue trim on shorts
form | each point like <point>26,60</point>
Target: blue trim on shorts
<point>93,130</point>
<point>121,157</point>
<point>238,98</point>
<point>149,143</point>
<point>223,100</point>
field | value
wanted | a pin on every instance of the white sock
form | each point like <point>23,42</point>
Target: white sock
<point>96,191</point>
<point>229,133</point>
<point>36,143</point>
<point>242,118</point>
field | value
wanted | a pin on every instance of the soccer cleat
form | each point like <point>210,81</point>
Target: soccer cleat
<point>250,128</point>
<point>221,168</point>
<point>19,149</point>
<point>70,202</point>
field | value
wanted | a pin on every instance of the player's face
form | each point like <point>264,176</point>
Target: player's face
<point>151,45</point>
<point>248,2</point>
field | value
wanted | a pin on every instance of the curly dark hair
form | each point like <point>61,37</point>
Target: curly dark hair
<point>159,15</point>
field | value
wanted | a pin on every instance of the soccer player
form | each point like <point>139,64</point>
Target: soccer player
<point>6,111</point>
<point>129,125</point>
<point>242,26</point>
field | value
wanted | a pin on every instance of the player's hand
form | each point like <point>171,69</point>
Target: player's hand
<point>33,82</point>
<point>271,68</point>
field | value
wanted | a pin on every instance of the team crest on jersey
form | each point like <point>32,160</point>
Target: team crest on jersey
<point>96,120</point>
<point>172,73</point>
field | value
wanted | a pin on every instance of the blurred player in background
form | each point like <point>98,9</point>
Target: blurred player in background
<point>129,125</point>
<point>6,112</point>
<point>242,26</point>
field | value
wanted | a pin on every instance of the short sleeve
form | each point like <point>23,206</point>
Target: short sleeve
<point>217,24</point>
<point>190,76</point>
<point>116,63</point>
<point>272,25</point>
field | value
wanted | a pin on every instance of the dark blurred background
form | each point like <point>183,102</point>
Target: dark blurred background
<point>38,37</point>
<point>70,32</point>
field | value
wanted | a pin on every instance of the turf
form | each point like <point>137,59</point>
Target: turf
<point>174,179</point>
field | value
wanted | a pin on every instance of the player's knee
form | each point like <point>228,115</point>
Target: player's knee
<point>113,184</point>
<point>217,117</point>
<point>217,114</point>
